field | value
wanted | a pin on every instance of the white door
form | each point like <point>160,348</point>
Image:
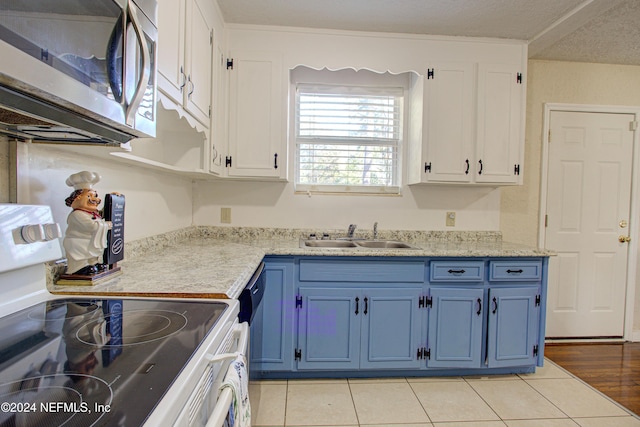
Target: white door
<point>588,204</point>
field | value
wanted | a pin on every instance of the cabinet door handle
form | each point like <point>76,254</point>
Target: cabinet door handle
<point>480,171</point>
<point>466,172</point>
<point>366,305</point>
<point>184,78</point>
<point>495,305</point>
<point>275,161</point>
<point>520,271</point>
<point>479,307</point>
<point>357,305</point>
<point>456,271</point>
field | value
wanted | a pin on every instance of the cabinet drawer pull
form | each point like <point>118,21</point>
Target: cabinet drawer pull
<point>520,271</point>
<point>366,306</point>
<point>495,305</point>
<point>456,271</point>
<point>357,305</point>
<point>479,307</point>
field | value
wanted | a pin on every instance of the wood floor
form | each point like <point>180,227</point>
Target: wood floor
<point>613,369</point>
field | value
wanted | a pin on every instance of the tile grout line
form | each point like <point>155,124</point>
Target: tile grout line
<point>419,401</point>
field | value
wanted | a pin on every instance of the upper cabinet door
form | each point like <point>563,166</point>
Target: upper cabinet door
<point>448,151</point>
<point>171,44</point>
<point>499,141</point>
<point>257,141</point>
<point>198,63</point>
<point>184,57</point>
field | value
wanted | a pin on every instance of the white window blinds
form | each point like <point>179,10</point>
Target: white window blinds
<point>348,136</point>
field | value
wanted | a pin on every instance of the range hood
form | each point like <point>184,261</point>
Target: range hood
<point>25,117</point>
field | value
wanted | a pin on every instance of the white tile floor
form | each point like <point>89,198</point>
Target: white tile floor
<point>551,397</point>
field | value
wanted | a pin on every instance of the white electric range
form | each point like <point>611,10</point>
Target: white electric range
<point>79,361</point>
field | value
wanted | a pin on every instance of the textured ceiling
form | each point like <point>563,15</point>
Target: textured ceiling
<point>604,31</point>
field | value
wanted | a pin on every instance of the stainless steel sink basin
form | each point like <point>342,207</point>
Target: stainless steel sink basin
<point>384,244</point>
<point>327,244</point>
<point>354,244</point>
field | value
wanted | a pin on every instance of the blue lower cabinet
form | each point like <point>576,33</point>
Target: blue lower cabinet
<point>356,328</point>
<point>455,328</point>
<point>272,328</point>
<point>513,326</point>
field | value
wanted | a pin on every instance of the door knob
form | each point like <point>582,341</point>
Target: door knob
<point>624,239</point>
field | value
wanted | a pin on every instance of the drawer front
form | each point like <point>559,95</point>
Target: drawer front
<point>457,271</point>
<point>314,270</point>
<point>515,271</point>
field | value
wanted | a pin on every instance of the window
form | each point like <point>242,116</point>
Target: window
<point>348,138</point>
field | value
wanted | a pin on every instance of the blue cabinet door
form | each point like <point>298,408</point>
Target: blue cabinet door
<point>329,328</point>
<point>455,328</point>
<point>272,327</point>
<point>391,328</point>
<point>513,326</point>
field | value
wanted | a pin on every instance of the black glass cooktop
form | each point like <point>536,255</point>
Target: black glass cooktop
<point>102,362</point>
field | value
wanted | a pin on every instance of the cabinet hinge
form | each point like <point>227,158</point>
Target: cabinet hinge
<point>430,73</point>
<point>227,161</point>
<point>229,64</point>
<point>546,220</point>
<point>211,38</point>
<point>298,301</point>
<point>519,78</point>
<point>537,300</point>
<point>516,169</point>
<point>423,353</point>
<point>549,137</point>
<point>297,354</point>
<point>535,350</point>
<point>209,111</point>
<point>427,167</point>
<point>428,302</point>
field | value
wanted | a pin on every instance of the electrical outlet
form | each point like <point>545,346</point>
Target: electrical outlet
<point>451,219</point>
<point>225,215</point>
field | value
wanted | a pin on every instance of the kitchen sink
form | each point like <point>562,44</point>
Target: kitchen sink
<point>327,244</point>
<point>384,244</point>
<point>354,244</point>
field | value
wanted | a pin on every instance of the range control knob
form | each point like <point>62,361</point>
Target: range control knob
<point>32,233</point>
<point>52,231</point>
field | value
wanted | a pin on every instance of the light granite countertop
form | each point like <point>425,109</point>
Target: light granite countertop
<point>217,262</point>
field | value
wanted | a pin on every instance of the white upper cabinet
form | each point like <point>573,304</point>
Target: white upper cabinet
<point>257,141</point>
<point>466,124</point>
<point>185,48</point>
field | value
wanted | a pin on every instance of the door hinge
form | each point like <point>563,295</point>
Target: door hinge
<point>427,167</point>
<point>229,64</point>
<point>549,137</point>
<point>633,125</point>
<point>211,38</point>
<point>519,78</point>
<point>297,354</point>
<point>430,73</point>
<point>428,302</point>
<point>537,300</point>
<point>535,350</point>
<point>227,161</point>
<point>516,169</point>
<point>546,220</point>
<point>423,353</point>
<point>298,301</point>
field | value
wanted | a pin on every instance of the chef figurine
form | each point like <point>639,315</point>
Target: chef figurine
<point>86,236</point>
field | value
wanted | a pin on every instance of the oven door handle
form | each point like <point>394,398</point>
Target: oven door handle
<point>241,334</point>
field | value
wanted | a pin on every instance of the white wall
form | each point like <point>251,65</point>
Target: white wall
<point>155,203</point>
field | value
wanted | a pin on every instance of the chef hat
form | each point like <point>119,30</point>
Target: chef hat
<point>83,180</point>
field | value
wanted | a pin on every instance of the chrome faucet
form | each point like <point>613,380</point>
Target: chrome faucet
<point>375,230</point>
<point>351,231</point>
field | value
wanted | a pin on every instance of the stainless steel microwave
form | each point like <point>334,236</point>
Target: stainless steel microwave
<point>79,71</point>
